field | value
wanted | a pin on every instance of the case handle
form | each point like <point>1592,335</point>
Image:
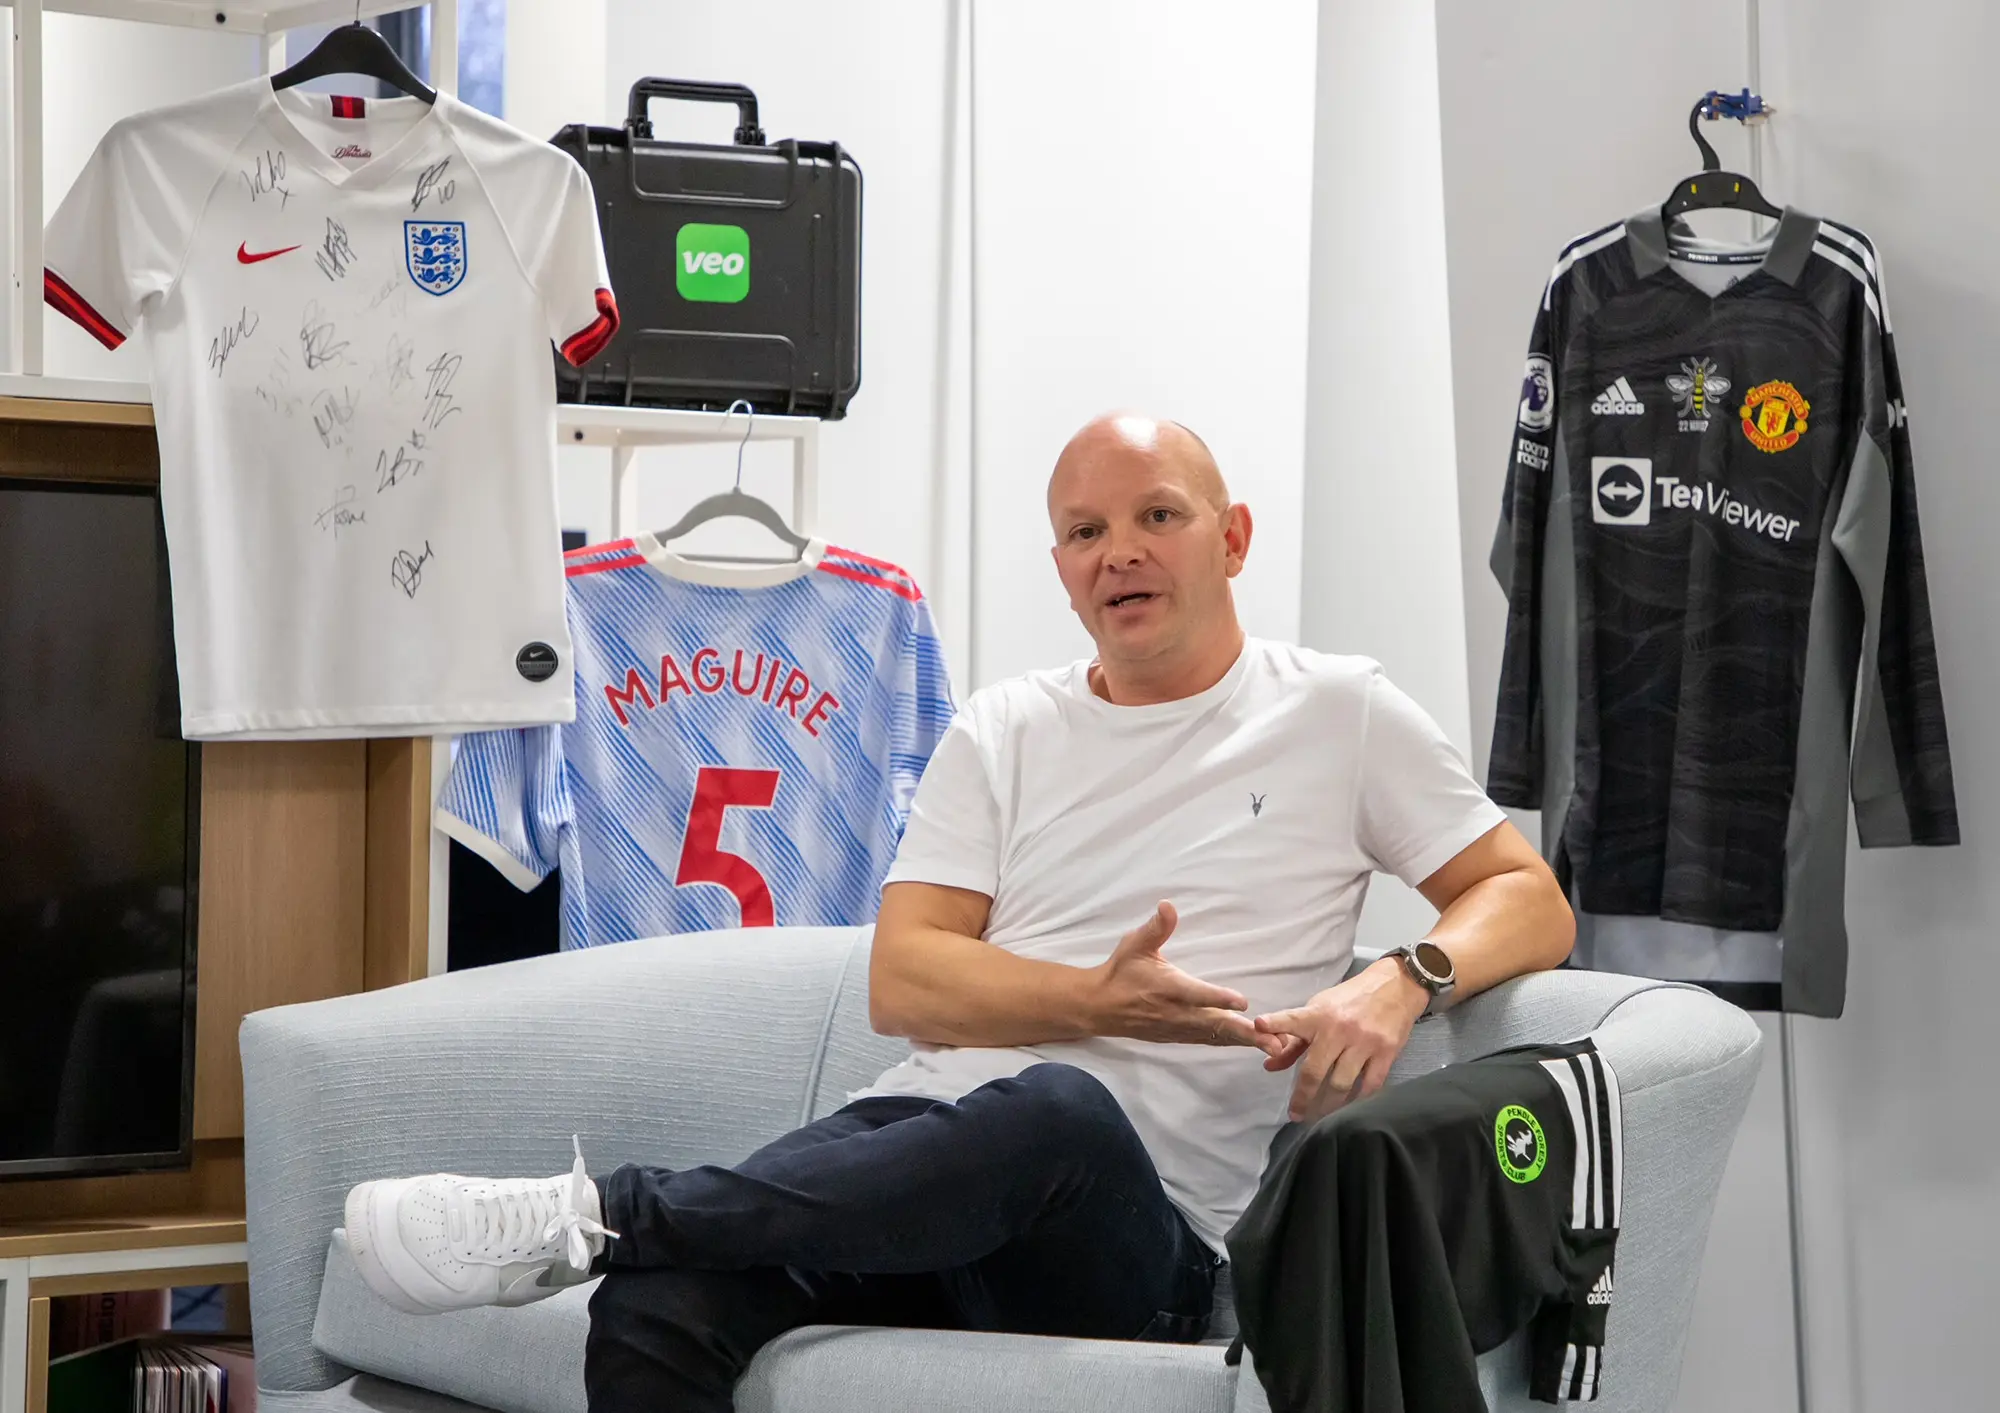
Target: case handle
<point>748,134</point>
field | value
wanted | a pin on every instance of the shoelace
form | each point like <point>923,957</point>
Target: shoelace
<point>511,1215</point>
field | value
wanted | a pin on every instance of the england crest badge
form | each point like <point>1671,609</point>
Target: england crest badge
<point>436,254</point>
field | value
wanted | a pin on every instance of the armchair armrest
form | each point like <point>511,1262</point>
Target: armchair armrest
<point>652,1051</point>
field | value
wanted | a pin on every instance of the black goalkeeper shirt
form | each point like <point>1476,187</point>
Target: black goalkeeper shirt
<point>1717,610</point>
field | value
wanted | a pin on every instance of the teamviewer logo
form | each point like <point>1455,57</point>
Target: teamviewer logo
<point>1621,490</point>
<point>712,263</point>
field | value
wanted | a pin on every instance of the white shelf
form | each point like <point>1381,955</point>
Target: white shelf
<point>621,430</point>
<point>625,429</point>
<point>227,16</point>
<point>73,389</point>
<point>591,424</point>
<point>578,424</point>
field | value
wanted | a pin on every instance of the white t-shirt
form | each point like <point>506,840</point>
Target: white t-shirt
<point>348,305</point>
<point>1259,808</point>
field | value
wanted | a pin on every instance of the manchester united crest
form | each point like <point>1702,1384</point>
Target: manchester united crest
<point>1774,416</point>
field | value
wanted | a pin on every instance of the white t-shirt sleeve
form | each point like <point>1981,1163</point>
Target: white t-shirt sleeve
<point>545,202</point>
<point>1418,805</point>
<point>564,253</point>
<point>953,834</point>
<point>506,799</point>
<point>119,237</point>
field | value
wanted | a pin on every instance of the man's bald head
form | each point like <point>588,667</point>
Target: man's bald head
<point>1147,541</point>
<point>1119,439</point>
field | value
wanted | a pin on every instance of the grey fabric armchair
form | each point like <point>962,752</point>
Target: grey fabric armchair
<point>700,1049</point>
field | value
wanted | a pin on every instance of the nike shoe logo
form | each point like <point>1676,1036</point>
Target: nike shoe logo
<point>244,256</point>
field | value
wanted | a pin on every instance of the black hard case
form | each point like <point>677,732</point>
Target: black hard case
<point>793,344</point>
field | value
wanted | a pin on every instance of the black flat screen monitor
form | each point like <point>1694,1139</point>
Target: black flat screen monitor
<point>98,829</point>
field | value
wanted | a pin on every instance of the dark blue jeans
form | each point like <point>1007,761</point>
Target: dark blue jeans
<point>1029,1206</point>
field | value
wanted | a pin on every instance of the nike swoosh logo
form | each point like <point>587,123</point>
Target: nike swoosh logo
<point>244,256</point>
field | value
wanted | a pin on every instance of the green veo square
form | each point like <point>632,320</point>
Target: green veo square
<point>712,263</point>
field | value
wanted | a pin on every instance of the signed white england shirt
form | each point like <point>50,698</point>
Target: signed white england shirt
<point>348,305</point>
<point>1259,808</point>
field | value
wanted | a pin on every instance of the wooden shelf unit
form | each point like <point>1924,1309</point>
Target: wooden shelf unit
<point>315,869</point>
<point>41,1261</point>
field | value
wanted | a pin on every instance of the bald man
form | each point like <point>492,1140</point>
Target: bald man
<point>1122,912</point>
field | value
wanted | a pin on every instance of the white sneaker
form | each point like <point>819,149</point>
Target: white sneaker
<point>445,1242</point>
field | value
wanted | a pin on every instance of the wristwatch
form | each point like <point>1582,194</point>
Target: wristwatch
<point>1429,965</point>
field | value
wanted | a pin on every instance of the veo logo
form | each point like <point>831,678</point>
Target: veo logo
<point>712,263</point>
<point>1621,490</point>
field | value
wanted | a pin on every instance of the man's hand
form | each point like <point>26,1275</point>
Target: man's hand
<point>1349,1035</point>
<point>1141,995</point>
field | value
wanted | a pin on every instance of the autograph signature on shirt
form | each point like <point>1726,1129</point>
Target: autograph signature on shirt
<point>407,570</point>
<point>335,254</point>
<point>316,339</point>
<point>430,181</point>
<point>333,409</point>
<point>438,401</point>
<point>266,176</point>
<point>389,471</point>
<point>341,513</point>
<point>224,343</point>
<point>392,288</point>
<point>276,389</point>
<point>397,361</point>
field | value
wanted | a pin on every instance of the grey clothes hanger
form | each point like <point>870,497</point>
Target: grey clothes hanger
<point>740,504</point>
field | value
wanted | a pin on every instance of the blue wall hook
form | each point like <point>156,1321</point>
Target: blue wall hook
<point>1742,106</point>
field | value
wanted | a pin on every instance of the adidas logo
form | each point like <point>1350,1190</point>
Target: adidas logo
<point>1600,1294</point>
<point>1618,400</point>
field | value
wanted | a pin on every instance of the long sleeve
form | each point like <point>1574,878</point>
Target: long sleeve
<point>1514,770</point>
<point>1343,1286</point>
<point>1393,1242</point>
<point>1901,769</point>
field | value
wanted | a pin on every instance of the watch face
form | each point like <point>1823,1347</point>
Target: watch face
<point>1434,959</point>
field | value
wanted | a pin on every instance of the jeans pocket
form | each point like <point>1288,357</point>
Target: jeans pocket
<point>1168,1328</point>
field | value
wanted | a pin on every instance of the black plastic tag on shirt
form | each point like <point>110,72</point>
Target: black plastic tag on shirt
<point>536,662</point>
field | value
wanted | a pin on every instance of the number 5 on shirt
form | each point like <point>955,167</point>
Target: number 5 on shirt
<point>716,788</point>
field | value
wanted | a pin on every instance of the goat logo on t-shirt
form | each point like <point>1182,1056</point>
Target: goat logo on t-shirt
<point>1518,1140</point>
<point>1257,804</point>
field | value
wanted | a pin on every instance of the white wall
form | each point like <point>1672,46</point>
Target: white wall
<point>1901,1109</point>
<point>1558,117</point>
<point>877,76</point>
<point>1563,116</point>
<point>1142,223</point>
<point>1171,278</point>
<point>99,71</point>
<point>557,58</point>
<point>1379,565</point>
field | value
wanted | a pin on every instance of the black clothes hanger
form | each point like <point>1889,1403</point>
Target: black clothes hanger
<point>1713,189</point>
<point>355,49</point>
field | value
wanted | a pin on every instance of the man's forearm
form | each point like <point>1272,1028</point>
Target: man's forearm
<point>931,984</point>
<point>1505,926</point>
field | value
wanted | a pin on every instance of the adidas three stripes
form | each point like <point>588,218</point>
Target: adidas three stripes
<point>1392,1243</point>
